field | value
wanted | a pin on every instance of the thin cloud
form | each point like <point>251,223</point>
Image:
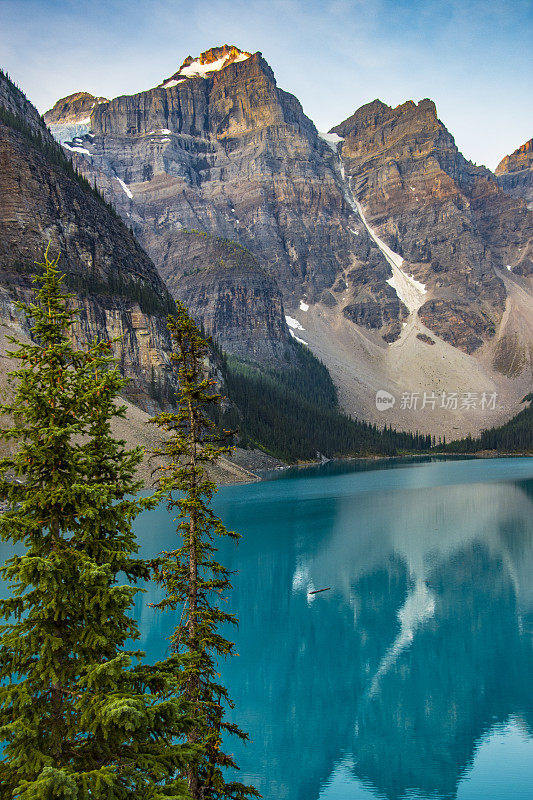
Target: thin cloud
<point>472,57</point>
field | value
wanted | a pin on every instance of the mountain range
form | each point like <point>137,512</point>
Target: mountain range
<point>402,265</point>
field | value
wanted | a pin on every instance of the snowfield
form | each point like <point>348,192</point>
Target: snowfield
<point>331,139</point>
<point>293,323</point>
<point>297,337</point>
<point>197,70</point>
<point>410,291</point>
<point>76,149</point>
<point>125,188</point>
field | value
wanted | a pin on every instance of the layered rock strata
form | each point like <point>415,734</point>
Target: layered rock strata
<point>447,218</point>
<point>227,291</point>
<point>118,290</point>
<point>515,173</point>
<point>231,154</point>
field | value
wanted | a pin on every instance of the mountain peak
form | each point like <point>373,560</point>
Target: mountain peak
<point>75,108</point>
<point>212,60</point>
<point>521,158</point>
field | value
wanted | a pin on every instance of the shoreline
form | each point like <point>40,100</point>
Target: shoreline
<point>261,475</point>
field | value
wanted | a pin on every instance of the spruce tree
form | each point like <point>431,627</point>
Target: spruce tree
<point>79,718</point>
<point>192,579</point>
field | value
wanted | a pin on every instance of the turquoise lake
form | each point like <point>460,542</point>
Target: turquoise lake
<point>412,676</point>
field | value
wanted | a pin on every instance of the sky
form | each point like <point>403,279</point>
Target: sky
<point>472,57</point>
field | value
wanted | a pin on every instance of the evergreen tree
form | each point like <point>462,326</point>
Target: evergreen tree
<point>77,720</point>
<point>191,577</point>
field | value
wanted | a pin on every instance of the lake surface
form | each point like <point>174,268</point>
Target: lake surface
<point>412,677</point>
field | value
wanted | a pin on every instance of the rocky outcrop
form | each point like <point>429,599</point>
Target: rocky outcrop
<point>73,108</point>
<point>447,218</point>
<point>233,298</point>
<point>14,102</point>
<point>117,287</point>
<point>71,116</point>
<point>515,173</point>
<point>213,60</point>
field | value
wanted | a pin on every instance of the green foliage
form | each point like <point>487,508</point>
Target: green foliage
<point>77,720</point>
<point>138,290</point>
<point>293,414</point>
<point>191,577</point>
<point>116,285</point>
<point>515,436</point>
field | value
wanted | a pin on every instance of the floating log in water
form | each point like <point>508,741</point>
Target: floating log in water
<point>316,591</point>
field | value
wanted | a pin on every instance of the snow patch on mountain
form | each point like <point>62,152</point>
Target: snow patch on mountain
<point>410,291</point>
<point>331,139</point>
<point>293,323</point>
<point>205,65</point>
<point>297,338</point>
<point>125,188</point>
<point>76,149</point>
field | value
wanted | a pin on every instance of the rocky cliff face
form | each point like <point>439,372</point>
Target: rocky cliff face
<point>227,291</point>
<point>74,108</point>
<point>447,218</point>
<point>515,173</point>
<point>118,289</point>
<point>70,117</point>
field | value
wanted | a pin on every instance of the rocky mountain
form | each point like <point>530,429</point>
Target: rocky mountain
<point>382,239</point>
<point>226,289</point>
<point>448,219</point>
<point>122,299</point>
<point>213,60</point>
<point>515,173</point>
<point>223,150</point>
<point>42,199</point>
<point>70,117</point>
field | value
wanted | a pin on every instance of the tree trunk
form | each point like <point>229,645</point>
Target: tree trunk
<point>193,688</point>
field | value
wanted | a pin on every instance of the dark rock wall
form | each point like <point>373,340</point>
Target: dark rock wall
<point>117,287</point>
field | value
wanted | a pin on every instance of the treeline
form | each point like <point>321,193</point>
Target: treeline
<point>138,290</point>
<point>294,414</point>
<point>52,151</point>
<point>515,436</point>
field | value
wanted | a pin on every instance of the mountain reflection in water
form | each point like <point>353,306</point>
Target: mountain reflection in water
<point>385,685</point>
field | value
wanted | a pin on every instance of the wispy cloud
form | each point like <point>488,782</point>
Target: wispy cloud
<point>472,57</point>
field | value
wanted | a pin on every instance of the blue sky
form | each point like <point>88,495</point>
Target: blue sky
<point>472,57</point>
